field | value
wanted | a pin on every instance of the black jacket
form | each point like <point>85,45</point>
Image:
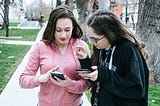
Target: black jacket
<point>127,85</point>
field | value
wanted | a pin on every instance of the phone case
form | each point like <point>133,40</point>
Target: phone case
<point>59,75</point>
<point>83,70</point>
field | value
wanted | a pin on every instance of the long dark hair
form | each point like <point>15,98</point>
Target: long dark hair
<point>62,11</point>
<point>108,24</point>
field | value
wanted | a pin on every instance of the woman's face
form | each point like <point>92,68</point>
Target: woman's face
<point>99,41</point>
<point>63,31</point>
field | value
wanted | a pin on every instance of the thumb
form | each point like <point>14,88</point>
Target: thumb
<point>54,69</point>
<point>94,67</point>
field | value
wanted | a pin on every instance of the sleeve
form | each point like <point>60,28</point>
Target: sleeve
<point>28,78</point>
<point>86,63</point>
<point>129,81</point>
<point>87,48</point>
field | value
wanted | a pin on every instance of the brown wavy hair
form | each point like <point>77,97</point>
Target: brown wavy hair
<point>108,24</point>
<point>62,11</point>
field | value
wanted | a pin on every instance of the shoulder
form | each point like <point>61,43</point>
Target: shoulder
<point>126,44</point>
<point>127,48</point>
<point>39,45</point>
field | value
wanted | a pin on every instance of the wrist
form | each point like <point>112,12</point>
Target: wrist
<point>36,80</point>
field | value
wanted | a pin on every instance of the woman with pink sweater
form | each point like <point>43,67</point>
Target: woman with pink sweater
<point>56,53</point>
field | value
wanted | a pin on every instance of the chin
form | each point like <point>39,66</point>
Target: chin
<point>64,43</point>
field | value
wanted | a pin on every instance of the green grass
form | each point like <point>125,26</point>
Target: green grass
<point>12,55</point>
<point>26,34</point>
<point>9,65</point>
<point>154,95</point>
<point>14,23</point>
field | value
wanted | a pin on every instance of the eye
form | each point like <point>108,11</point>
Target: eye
<point>93,39</point>
<point>58,30</point>
<point>67,30</point>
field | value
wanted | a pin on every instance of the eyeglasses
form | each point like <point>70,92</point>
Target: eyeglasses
<point>95,40</point>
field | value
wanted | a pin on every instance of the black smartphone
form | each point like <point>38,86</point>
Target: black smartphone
<point>83,70</point>
<point>58,75</point>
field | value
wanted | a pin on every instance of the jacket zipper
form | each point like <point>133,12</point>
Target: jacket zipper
<point>60,65</point>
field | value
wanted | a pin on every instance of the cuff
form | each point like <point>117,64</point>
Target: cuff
<point>86,63</point>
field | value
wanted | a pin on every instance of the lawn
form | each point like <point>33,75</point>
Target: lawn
<point>12,55</point>
<point>10,58</point>
<point>154,95</point>
<point>23,34</point>
<point>14,23</point>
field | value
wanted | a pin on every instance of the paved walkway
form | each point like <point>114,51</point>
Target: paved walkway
<point>14,95</point>
<point>3,41</point>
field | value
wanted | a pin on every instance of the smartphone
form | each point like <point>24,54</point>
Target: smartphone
<point>58,75</point>
<point>83,70</point>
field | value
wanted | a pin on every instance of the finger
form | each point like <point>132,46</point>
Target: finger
<point>94,67</point>
<point>66,78</point>
<point>92,74</point>
<point>54,69</point>
<point>79,48</point>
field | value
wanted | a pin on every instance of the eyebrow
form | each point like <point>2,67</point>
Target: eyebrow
<point>62,28</point>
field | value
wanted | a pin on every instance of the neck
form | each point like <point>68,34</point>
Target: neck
<point>63,49</point>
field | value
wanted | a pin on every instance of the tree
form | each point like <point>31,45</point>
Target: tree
<point>58,2</point>
<point>148,30</point>
<point>37,10</point>
<point>4,5</point>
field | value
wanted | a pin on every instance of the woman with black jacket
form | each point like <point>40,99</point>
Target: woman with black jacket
<point>120,73</point>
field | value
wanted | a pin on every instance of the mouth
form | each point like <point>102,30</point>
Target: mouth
<point>62,39</point>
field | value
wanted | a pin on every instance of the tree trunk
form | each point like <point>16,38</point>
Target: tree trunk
<point>70,3</point>
<point>6,19</point>
<point>82,8</point>
<point>58,3</point>
<point>148,30</point>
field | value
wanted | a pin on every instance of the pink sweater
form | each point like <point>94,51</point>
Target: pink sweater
<point>47,57</point>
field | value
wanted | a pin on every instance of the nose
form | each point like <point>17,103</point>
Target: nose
<point>63,33</point>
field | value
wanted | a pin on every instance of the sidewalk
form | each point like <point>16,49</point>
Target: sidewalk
<point>14,95</point>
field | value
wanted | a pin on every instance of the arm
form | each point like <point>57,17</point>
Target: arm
<point>83,54</point>
<point>28,78</point>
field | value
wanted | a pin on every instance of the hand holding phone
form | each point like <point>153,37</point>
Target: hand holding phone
<point>83,72</point>
<point>58,75</point>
